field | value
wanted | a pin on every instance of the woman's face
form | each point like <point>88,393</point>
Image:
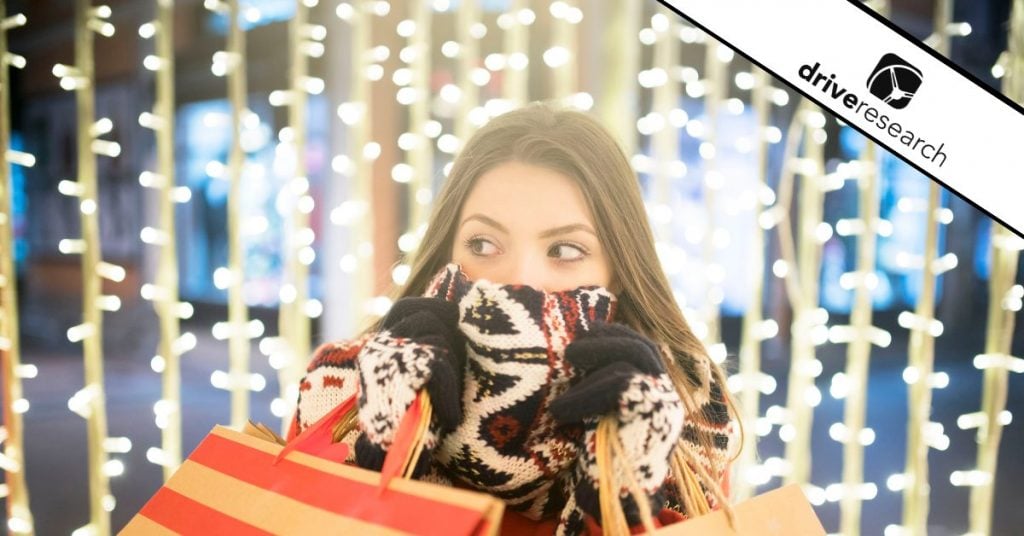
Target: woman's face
<point>529,225</point>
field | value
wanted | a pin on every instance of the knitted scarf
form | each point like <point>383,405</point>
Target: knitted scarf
<point>508,444</point>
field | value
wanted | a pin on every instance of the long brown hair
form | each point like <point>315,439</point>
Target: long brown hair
<point>576,145</point>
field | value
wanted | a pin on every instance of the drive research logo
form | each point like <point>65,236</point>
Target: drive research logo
<point>894,81</point>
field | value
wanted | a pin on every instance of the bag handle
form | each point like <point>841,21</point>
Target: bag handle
<point>317,439</point>
<point>608,447</point>
<point>323,437</point>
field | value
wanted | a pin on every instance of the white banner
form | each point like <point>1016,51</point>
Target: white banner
<point>892,88</point>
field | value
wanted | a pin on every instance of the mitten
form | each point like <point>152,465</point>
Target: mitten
<point>619,372</point>
<point>418,347</point>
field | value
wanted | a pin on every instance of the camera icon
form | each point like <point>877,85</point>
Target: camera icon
<point>894,81</point>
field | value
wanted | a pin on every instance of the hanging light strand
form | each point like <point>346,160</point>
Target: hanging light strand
<point>801,267</point>
<point>19,516</point>
<point>357,166</point>
<point>471,76</point>
<point>859,336</point>
<point>164,292</point>
<point>716,68</point>
<point>753,380</point>
<point>922,433</point>
<point>516,22</point>
<point>420,157</point>
<point>618,101</point>
<point>89,402</point>
<point>1005,299</point>
<point>288,351</point>
<point>561,55</point>
<point>238,330</point>
<point>664,140</point>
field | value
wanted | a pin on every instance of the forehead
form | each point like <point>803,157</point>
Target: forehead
<point>527,196</point>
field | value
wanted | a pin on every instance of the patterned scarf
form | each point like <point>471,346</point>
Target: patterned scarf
<point>508,444</point>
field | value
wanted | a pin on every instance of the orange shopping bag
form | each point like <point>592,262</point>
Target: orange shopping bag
<point>781,512</point>
<point>230,484</point>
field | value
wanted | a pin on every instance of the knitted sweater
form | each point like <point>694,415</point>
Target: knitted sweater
<point>508,444</point>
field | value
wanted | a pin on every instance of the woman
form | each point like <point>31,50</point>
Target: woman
<point>537,298</point>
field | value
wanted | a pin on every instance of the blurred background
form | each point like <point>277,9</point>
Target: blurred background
<point>299,239</point>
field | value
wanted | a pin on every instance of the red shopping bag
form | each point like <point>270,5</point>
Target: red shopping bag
<point>234,483</point>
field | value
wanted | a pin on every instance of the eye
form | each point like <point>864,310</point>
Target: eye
<point>481,247</point>
<point>567,252</point>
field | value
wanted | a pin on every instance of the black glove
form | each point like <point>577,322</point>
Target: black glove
<point>620,372</point>
<point>419,346</point>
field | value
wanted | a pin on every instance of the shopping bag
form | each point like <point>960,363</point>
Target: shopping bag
<point>230,484</point>
<point>781,512</point>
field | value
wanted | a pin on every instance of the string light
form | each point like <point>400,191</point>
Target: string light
<point>19,517</point>
<point>922,433</point>
<point>232,64</point>
<point>801,277</point>
<point>164,294</point>
<point>88,402</point>
<point>291,345</point>
<point>357,164</point>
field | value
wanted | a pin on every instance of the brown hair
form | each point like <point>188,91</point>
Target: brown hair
<point>576,145</point>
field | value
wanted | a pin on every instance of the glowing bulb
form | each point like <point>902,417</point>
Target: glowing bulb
<point>970,478</point>
<point>647,36</point>
<point>406,28</point>
<point>156,456</point>
<point>20,405</point>
<point>26,371</point>
<point>153,63</point>
<point>518,61</point>
<point>450,49</point>
<point>556,56</point>
<point>87,206</point>
<point>147,30</point>
<point>812,396</point>
<point>480,77</point>
<point>448,143</point>
<point>402,173</point>
<point>278,407</point>
<point>313,308</point>
<point>80,332</point>
<point>744,80</point>
<point>344,11</point>
<point>707,150</point>
<point>113,468</point>
<point>780,268</point>
<point>107,148</point>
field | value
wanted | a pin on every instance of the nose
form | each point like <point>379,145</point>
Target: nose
<point>531,271</point>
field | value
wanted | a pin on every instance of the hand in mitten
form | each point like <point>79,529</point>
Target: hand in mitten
<point>419,346</point>
<point>619,372</point>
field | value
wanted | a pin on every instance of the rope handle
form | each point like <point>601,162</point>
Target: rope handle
<point>609,449</point>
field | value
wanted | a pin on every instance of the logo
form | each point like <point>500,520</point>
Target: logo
<point>894,81</point>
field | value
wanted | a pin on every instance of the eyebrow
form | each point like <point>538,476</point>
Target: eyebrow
<point>554,231</point>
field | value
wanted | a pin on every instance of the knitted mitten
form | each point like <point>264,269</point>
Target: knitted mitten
<point>418,347</point>
<point>620,372</point>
